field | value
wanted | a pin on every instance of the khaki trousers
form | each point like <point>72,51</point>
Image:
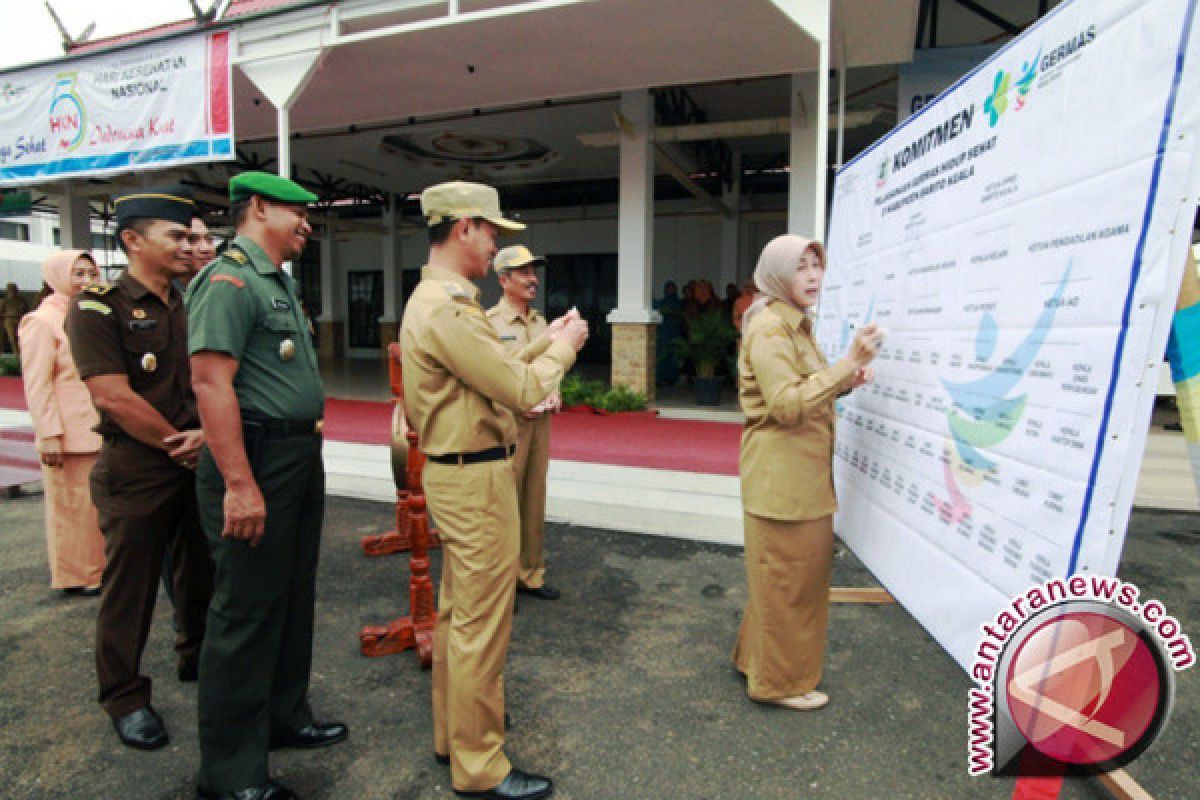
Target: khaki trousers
<point>781,643</point>
<point>530,465</point>
<point>475,506</point>
<point>74,543</point>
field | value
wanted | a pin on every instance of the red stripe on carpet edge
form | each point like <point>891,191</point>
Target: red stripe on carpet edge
<point>21,463</point>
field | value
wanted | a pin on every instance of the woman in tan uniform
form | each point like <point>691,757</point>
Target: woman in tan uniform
<point>63,418</point>
<point>787,391</point>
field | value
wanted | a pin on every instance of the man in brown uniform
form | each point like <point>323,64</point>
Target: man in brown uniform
<point>129,341</point>
<point>518,325</point>
<point>461,388</point>
<point>12,308</point>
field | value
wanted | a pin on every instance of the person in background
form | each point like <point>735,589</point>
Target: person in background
<point>671,328</point>
<point>203,248</point>
<point>12,308</point>
<point>63,419</point>
<point>742,303</point>
<point>519,325</point>
<point>787,393</point>
<point>731,296</point>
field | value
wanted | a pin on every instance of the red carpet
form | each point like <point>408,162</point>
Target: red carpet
<point>628,440</point>
<point>12,393</point>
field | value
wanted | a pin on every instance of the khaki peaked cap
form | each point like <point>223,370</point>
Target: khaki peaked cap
<point>464,200</point>
<point>516,257</point>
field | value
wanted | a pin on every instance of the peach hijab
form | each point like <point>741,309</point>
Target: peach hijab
<point>776,271</point>
<point>56,272</point>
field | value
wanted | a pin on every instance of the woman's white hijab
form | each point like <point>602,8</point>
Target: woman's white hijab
<point>775,275</point>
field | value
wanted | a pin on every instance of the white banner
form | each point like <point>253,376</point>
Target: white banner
<point>146,107</point>
<point>933,71</point>
<point>1022,240</point>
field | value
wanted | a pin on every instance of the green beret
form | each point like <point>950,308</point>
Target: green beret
<point>272,187</point>
<point>173,203</point>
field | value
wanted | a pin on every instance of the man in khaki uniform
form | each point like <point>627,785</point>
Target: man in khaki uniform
<point>12,308</point>
<point>461,389</point>
<point>519,324</point>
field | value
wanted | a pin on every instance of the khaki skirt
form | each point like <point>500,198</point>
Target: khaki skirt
<point>74,543</point>
<point>781,642</point>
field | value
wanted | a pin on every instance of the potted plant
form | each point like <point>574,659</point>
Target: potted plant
<point>707,343</point>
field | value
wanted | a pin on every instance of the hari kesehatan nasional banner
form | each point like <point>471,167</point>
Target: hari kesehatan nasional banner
<point>146,107</point>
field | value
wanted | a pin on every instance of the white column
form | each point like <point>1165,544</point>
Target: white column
<point>283,142</point>
<point>281,79</point>
<point>731,226</point>
<point>635,213</point>
<point>809,151</point>
<point>75,219</point>
<point>391,265</point>
<point>328,287</point>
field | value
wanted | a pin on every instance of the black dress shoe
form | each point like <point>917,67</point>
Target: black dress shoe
<point>188,672</point>
<point>268,791</point>
<point>82,591</point>
<point>311,736</point>
<point>142,729</point>
<point>517,786</point>
<point>544,592</point>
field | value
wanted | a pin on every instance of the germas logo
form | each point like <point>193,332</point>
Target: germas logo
<point>1004,88</point>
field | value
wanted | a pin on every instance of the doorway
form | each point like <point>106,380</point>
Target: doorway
<point>364,307</point>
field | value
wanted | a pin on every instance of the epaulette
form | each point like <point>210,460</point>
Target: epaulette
<point>455,291</point>
<point>98,288</point>
<point>235,255</point>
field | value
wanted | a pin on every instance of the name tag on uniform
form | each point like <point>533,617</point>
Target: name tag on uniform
<point>512,338</point>
<point>142,325</point>
<point>280,305</point>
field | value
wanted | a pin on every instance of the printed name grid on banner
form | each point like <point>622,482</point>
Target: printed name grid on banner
<point>145,107</point>
<point>1021,239</point>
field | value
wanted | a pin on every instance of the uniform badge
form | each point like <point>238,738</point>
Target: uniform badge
<point>139,313</point>
<point>287,349</point>
<point>149,362</point>
<point>280,305</point>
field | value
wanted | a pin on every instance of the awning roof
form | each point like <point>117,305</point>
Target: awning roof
<point>563,51</point>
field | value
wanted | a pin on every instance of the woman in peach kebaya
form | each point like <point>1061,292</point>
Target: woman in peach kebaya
<point>63,418</point>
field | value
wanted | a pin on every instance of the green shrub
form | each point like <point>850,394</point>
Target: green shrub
<point>576,391</point>
<point>621,398</point>
<point>709,340</point>
<point>10,364</point>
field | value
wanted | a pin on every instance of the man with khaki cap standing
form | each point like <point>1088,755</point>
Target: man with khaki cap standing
<point>461,388</point>
<point>519,324</point>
